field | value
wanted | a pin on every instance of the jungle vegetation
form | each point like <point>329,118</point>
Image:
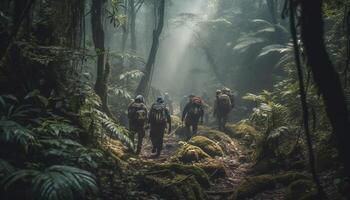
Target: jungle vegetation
<point>70,68</point>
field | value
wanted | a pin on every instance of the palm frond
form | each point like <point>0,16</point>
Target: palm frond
<point>275,48</point>
<point>115,130</point>
<point>246,42</point>
<point>13,132</point>
<point>133,74</point>
<point>5,168</point>
<point>57,182</point>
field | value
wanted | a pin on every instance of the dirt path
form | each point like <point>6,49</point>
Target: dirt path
<point>235,162</point>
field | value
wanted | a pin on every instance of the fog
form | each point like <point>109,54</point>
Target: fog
<point>178,57</point>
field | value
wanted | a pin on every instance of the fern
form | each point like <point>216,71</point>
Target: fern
<point>13,132</point>
<point>54,183</point>
<point>5,168</point>
<point>56,126</point>
<point>116,131</point>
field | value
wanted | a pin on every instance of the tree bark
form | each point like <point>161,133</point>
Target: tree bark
<point>98,36</point>
<point>144,84</point>
<point>325,76</point>
<point>132,15</point>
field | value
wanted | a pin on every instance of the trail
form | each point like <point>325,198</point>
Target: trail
<point>236,164</point>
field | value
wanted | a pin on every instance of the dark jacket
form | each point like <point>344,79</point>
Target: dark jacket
<point>193,118</point>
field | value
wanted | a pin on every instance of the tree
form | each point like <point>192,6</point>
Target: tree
<point>144,85</point>
<point>98,37</point>
<point>325,75</point>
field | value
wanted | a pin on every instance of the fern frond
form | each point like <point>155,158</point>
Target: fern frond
<point>116,131</point>
<point>5,168</point>
<point>13,132</point>
<point>57,182</point>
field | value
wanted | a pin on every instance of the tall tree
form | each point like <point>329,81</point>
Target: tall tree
<point>144,85</point>
<point>325,75</point>
<point>98,37</point>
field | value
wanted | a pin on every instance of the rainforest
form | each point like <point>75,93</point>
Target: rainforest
<point>174,99</point>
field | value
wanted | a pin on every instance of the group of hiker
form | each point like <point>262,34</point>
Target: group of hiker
<point>158,118</point>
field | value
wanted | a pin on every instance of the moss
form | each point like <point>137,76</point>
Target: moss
<point>213,167</point>
<point>242,130</point>
<point>117,148</point>
<point>217,136</point>
<point>189,153</point>
<point>256,184</point>
<point>207,145</point>
<point>301,190</point>
<point>174,187</point>
<point>199,173</point>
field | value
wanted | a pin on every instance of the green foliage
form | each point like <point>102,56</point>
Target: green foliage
<point>54,183</point>
<point>13,132</point>
<point>268,114</point>
<point>55,126</point>
<point>91,116</point>
<point>5,168</point>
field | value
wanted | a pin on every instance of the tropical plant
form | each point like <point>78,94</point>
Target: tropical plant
<point>55,126</point>
<point>57,182</point>
<point>5,168</point>
<point>13,132</point>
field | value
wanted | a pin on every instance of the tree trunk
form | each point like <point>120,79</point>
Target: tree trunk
<point>98,37</point>
<point>325,76</point>
<point>132,15</point>
<point>144,84</point>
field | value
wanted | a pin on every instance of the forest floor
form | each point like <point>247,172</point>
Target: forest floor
<point>236,162</point>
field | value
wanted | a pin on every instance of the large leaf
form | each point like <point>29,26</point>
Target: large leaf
<point>54,183</point>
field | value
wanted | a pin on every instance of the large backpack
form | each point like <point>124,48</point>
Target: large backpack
<point>138,112</point>
<point>224,103</point>
<point>158,113</point>
<point>196,107</point>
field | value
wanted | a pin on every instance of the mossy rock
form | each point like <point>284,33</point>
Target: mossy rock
<point>301,190</point>
<point>256,184</point>
<point>244,131</point>
<point>117,148</point>
<point>217,136</point>
<point>189,153</point>
<point>207,145</point>
<point>199,173</point>
<point>214,168</point>
<point>175,187</point>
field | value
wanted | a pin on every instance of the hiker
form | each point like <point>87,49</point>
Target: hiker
<point>169,103</point>
<point>192,114</point>
<point>222,107</point>
<point>229,93</point>
<point>159,117</point>
<point>137,114</point>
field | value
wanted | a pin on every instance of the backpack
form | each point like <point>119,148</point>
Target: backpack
<point>138,112</point>
<point>158,114</point>
<point>196,107</point>
<point>224,103</point>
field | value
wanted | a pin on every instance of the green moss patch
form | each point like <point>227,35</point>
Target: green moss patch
<point>199,173</point>
<point>175,181</point>
<point>207,145</point>
<point>213,168</point>
<point>256,184</point>
<point>189,154</point>
<point>174,186</point>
